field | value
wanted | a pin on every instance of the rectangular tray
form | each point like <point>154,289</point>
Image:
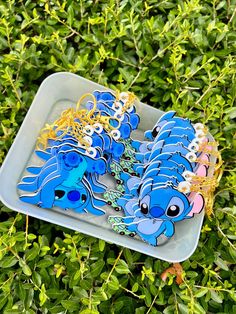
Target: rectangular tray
<point>58,92</point>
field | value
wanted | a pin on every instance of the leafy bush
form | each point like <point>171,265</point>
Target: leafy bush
<point>173,54</point>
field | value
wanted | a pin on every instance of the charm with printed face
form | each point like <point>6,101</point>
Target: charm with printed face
<point>164,193</point>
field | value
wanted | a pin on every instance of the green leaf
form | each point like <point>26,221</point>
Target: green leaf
<point>29,298</point>
<point>183,308</point>
<point>215,296</point>
<point>96,268</point>
<point>3,300</point>
<point>89,311</point>
<point>70,305</point>
<point>102,244</point>
<point>26,269</point>
<point>135,287</point>
<point>8,261</point>
<point>201,292</point>
<point>122,267</point>
<point>221,263</point>
<point>113,284</point>
<point>32,253</point>
<point>54,293</point>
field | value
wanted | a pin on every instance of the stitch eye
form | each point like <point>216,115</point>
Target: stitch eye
<point>144,208</point>
<point>144,204</point>
<point>173,211</point>
<point>83,198</point>
<point>175,207</point>
<point>139,189</point>
<point>59,194</point>
<point>155,131</point>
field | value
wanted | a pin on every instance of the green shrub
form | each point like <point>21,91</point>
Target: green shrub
<point>172,54</point>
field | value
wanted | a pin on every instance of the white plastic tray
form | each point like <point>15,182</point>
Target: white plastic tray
<point>57,92</point>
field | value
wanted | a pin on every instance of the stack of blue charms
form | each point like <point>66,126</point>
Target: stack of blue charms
<point>160,180</point>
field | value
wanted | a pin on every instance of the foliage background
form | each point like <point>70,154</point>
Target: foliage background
<point>172,54</point>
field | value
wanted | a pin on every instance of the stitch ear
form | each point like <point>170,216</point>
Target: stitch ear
<point>101,166</point>
<point>201,171</point>
<point>167,116</point>
<point>117,149</point>
<point>204,157</point>
<point>133,182</point>
<point>146,187</point>
<point>197,203</point>
<point>148,135</point>
<point>125,130</point>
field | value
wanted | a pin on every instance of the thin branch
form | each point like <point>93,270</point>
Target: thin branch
<point>114,265</point>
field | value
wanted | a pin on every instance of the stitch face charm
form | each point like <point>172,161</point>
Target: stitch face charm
<point>165,192</point>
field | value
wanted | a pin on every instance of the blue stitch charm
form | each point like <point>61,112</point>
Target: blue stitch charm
<point>77,149</point>
<point>165,192</point>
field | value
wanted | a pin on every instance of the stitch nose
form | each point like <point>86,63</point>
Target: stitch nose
<point>73,196</point>
<point>156,211</point>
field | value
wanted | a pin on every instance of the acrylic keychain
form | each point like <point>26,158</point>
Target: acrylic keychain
<point>74,148</point>
<point>121,106</point>
<point>72,165</point>
<point>178,195</point>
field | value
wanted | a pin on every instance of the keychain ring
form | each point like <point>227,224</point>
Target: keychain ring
<point>91,112</point>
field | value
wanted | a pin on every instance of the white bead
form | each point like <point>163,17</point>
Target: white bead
<point>88,129</point>
<point>119,116</point>
<point>188,175</point>
<point>184,187</point>
<point>193,147</point>
<point>89,140</point>
<point>117,106</point>
<point>98,127</point>
<point>191,156</point>
<point>196,141</point>
<point>199,126</point>
<point>124,97</point>
<point>130,109</point>
<point>91,152</point>
<point>115,134</point>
